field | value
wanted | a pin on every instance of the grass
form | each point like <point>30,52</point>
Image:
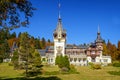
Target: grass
<point>8,71</point>
<point>85,73</point>
<point>114,72</point>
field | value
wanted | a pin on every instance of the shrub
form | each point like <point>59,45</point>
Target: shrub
<point>72,68</point>
<point>62,62</point>
<point>90,63</point>
<point>95,66</point>
<point>10,64</point>
<point>116,64</point>
<point>110,64</point>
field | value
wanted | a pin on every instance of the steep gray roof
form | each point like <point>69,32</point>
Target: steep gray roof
<point>59,29</point>
<point>42,52</point>
<point>98,39</point>
<point>77,46</point>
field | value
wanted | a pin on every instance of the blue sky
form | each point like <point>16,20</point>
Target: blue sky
<point>80,18</point>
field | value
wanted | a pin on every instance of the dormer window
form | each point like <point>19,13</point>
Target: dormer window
<point>55,35</point>
<point>63,35</point>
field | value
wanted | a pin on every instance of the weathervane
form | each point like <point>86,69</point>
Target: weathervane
<point>98,28</point>
<point>59,8</point>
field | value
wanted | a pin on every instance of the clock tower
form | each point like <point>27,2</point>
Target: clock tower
<point>59,37</point>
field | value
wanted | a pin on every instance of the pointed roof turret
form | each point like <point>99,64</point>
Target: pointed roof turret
<point>99,39</point>
<point>59,30</point>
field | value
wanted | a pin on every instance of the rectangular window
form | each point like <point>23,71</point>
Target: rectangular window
<point>79,59</point>
<point>51,60</point>
<point>105,60</point>
<point>71,59</point>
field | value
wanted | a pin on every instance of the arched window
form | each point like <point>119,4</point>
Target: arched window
<point>75,59</point>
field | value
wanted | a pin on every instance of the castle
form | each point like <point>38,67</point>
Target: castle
<point>79,55</point>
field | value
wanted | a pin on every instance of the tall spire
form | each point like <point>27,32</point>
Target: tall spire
<point>98,28</point>
<point>59,25</point>
<point>99,39</point>
<point>59,30</point>
<point>59,5</point>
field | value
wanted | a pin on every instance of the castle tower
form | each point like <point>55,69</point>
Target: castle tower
<point>59,36</point>
<point>99,42</point>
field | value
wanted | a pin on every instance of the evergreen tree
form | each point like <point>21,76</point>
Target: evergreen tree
<point>19,34</point>
<point>4,34</point>
<point>37,44</point>
<point>66,62</point>
<point>13,35</point>
<point>6,49</point>
<point>15,59</point>
<point>24,49</point>
<point>43,44</point>
<point>62,62</point>
<point>36,67</point>
<point>49,41</point>
<point>1,54</point>
<point>29,55</point>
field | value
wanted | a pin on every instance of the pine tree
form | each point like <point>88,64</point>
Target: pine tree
<point>13,35</point>
<point>24,50</point>
<point>36,62</point>
<point>37,44</point>
<point>49,41</point>
<point>29,55</point>
<point>66,62</point>
<point>43,44</point>
<point>1,54</point>
<point>6,49</point>
<point>15,59</point>
<point>63,62</point>
<point>19,34</point>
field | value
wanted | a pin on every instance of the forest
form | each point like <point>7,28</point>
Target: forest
<point>8,41</point>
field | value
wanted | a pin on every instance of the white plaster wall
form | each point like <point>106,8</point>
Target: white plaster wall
<point>97,59</point>
<point>89,59</point>
<point>109,60</point>
<point>56,44</point>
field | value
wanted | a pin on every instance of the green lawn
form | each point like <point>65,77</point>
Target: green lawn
<point>85,73</point>
<point>8,71</point>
